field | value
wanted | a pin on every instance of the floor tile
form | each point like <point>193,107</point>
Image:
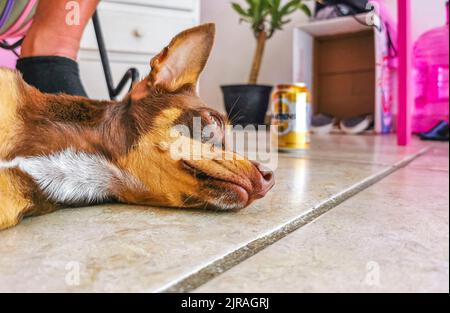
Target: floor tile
<point>119,248</point>
<point>367,149</point>
<point>122,248</point>
<point>393,237</point>
<point>381,150</point>
<point>436,159</point>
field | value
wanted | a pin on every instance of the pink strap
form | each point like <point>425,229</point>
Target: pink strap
<point>23,30</point>
<point>15,29</point>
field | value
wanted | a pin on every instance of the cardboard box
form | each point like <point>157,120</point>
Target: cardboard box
<point>344,75</point>
<point>348,68</point>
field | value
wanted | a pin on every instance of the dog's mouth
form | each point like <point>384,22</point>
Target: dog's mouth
<point>225,188</point>
<point>223,182</point>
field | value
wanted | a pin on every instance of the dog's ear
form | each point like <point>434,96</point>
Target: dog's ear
<point>181,62</point>
<point>184,59</point>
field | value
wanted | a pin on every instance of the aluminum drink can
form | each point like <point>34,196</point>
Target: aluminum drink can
<point>292,113</point>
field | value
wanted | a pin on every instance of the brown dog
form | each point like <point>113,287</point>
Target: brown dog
<point>58,150</point>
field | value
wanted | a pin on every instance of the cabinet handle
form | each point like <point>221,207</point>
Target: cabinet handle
<point>137,33</point>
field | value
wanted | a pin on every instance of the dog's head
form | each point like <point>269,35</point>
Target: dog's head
<point>167,99</point>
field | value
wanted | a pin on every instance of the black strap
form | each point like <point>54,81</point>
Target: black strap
<point>132,74</point>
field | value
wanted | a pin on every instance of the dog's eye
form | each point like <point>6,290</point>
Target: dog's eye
<point>215,120</point>
<point>214,131</point>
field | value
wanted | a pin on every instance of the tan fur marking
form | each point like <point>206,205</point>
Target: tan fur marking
<point>9,102</point>
<point>13,204</point>
<point>154,168</point>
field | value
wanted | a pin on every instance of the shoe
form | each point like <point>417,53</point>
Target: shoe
<point>322,124</point>
<point>357,125</point>
<point>439,133</point>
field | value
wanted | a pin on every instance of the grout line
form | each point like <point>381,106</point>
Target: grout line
<point>431,169</point>
<point>215,268</point>
<point>319,158</point>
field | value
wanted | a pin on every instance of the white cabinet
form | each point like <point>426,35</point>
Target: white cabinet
<point>134,31</point>
<point>188,5</point>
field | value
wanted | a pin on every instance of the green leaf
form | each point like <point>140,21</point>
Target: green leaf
<point>305,9</point>
<point>290,7</point>
<point>269,15</point>
<point>239,9</point>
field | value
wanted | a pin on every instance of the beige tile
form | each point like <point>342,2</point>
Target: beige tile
<point>436,159</point>
<point>393,237</point>
<point>382,150</point>
<point>363,149</point>
<point>119,248</point>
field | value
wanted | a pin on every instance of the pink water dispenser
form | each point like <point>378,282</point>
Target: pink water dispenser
<point>431,79</point>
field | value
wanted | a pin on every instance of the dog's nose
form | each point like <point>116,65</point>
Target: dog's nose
<point>264,182</point>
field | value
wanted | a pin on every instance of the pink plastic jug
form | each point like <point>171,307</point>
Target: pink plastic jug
<point>431,79</point>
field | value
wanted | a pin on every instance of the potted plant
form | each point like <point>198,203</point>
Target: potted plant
<point>248,104</point>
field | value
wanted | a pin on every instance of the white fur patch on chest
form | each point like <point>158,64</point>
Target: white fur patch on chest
<point>70,177</point>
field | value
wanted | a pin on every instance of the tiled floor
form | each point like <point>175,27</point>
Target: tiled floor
<point>346,204</point>
<point>392,237</point>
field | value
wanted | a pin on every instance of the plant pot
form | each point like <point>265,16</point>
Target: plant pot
<point>247,104</point>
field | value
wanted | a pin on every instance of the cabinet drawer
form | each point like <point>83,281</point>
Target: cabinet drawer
<point>189,5</point>
<point>136,29</point>
<point>94,79</point>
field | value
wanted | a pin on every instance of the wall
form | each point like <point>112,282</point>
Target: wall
<point>427,14</point>
<point>230,61</point>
